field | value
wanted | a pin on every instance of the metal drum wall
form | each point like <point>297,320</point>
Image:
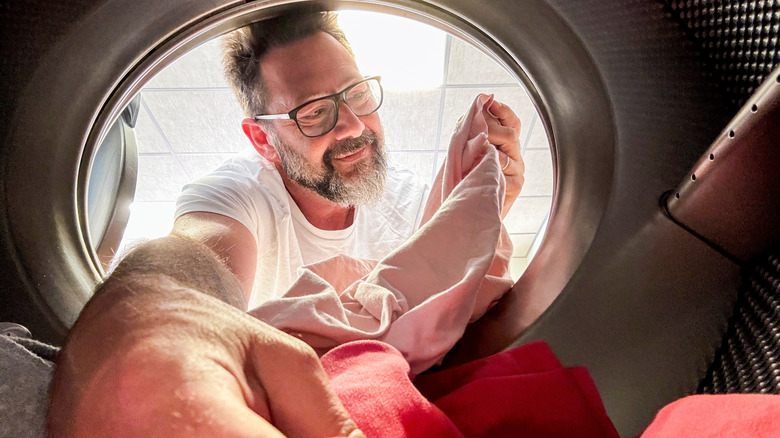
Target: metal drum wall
<point>740,41</point>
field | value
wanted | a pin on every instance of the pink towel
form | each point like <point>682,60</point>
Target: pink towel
<point>520,392</point>
<point>420,297</point>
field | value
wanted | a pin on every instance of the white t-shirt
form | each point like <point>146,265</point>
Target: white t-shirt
<point>250,190</point>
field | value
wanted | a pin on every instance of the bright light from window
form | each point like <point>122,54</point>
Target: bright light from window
<point>148,220</point>
<point>381,44</point>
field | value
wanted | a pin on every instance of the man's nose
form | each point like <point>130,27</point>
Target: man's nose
<point>349,125</point>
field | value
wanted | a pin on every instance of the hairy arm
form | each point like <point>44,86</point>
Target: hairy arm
<point>162,350</point>
<point>230,241</point>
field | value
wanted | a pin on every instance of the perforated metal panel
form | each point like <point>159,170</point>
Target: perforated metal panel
<point>748,361</point>
<point>740,38</point>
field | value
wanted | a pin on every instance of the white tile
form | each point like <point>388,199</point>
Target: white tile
<point>148,136</point>
<point>469,65</point>
<point>527,214</point>
<point>457,102</point>
<point>521,244</point>
<point>440,158</point>
<point>199,121</point>
<point>517,265</point>
<point>421,163</point>
<point>160,178</point>
<point>538,138</point>
<point>538,173</point>
<point>198,68</point>
<point>198,165</point>
<point>410,119</point>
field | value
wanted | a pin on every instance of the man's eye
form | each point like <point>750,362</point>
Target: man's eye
<point>315,114</point>
<point>358,94</point>
<point>312,114</point>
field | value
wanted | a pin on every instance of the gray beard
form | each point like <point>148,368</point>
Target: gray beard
<point>363,184</point>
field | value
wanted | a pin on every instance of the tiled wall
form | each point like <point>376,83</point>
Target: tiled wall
<point>189,122</point>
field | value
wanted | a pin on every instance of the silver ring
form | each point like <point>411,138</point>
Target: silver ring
<point>507,163</point>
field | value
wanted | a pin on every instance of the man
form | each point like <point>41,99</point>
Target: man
<point>317,183</point>
<point>164,347</point>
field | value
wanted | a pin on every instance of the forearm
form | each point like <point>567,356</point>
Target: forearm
<point>230,240</point>
<point>187,262</point>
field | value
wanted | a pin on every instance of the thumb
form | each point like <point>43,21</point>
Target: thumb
<point>300,399</point>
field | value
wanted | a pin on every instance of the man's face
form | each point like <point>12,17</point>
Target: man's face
<point>363,183</point>
<point>348,164</point>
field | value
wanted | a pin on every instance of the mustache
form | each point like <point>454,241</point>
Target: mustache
<point>368,137</point>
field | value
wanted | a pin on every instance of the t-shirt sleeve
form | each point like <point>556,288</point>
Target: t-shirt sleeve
<point>225,191</point>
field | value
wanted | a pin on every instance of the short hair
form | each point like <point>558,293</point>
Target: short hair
<point>243,49</point>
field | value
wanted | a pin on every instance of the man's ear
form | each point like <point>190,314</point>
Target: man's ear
<point>259,138</point>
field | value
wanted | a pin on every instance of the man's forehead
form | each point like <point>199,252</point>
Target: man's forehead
<point>315,66</point>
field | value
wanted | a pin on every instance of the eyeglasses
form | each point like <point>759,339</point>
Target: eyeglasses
<point>319,116</point>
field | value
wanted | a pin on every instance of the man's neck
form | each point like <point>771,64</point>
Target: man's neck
<point>320,212</point>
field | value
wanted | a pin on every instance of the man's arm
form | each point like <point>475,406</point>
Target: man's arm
<point>229,239</point>
<point>158,352</point>
<point>504,133</point>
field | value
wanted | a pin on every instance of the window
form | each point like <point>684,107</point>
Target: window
<point>189,120</point>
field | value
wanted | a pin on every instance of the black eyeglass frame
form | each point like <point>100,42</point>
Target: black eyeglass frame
<point>336,98</point>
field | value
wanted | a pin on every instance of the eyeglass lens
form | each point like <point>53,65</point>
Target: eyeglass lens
<point>320,116</point>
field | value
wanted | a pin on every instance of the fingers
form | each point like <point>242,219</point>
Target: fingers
<point>503,128</point>
<point>158,389</point>
<point>504,115</point>
<point>504,132</point>
<point>505,139</point>
<point>216,407</point>
<point>300,399</point>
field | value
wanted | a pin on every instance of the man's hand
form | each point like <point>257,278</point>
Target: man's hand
<point>504,133</point>
<point>150,357</point>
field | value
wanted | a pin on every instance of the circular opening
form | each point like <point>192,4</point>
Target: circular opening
<point>54,254</point>
<point>693,177</point>
<point>731,134</point>
<point>754,108</point>
<point>677,195</point>
<point>712,157</point>
<point>189,121</point>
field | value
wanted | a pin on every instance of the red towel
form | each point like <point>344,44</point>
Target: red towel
<point>372,380</point>
<point>721,416</point>
<point>520,392</point>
